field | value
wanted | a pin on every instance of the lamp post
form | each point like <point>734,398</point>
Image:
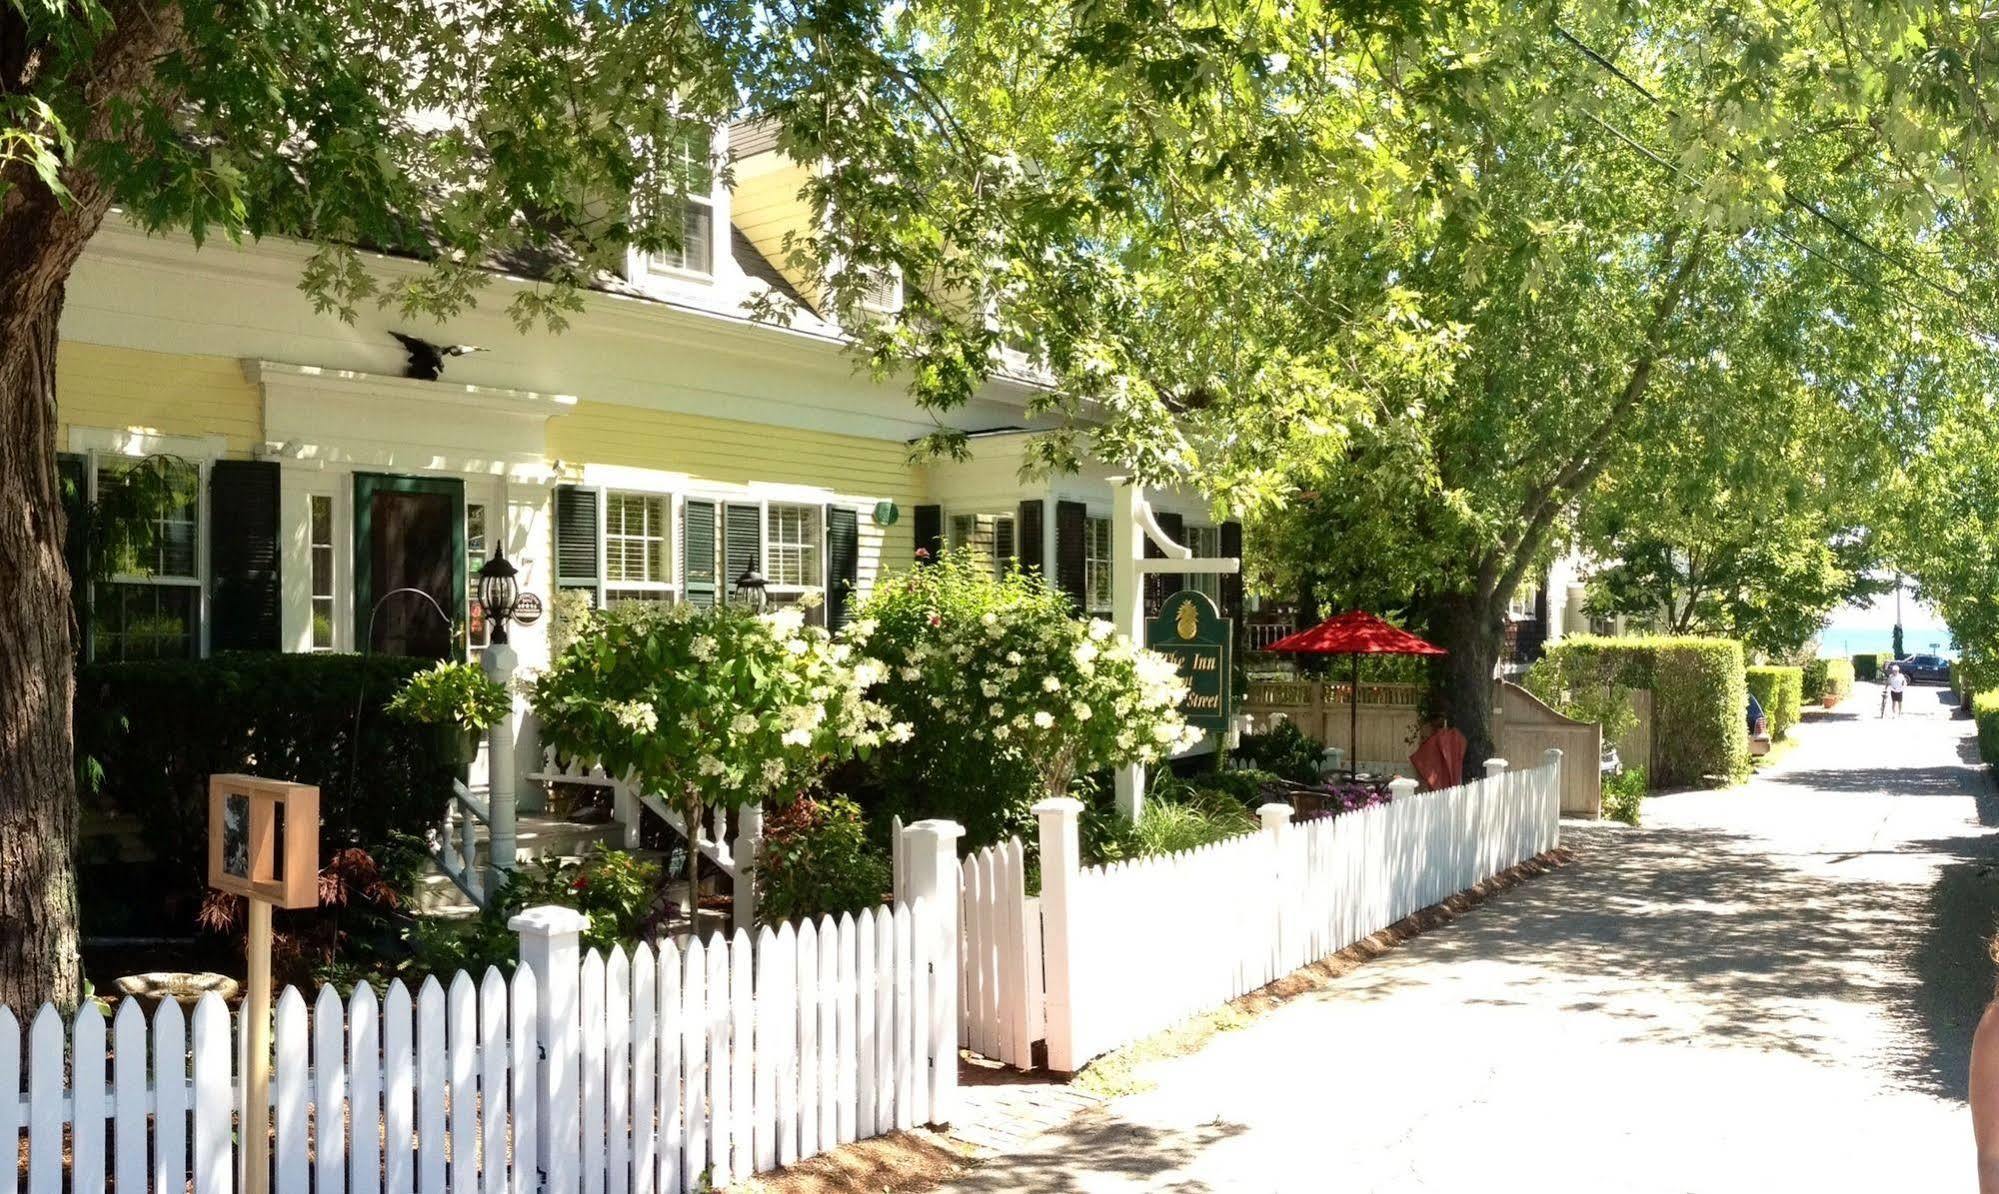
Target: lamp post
<point>752,590</point>
<point>499,596</point>
<point>499,592</point>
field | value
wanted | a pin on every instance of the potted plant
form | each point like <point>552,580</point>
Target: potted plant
<point>459,700</point>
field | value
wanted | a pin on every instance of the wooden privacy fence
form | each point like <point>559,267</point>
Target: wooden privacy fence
<point>1109,954</point>
<point>648,1073</point>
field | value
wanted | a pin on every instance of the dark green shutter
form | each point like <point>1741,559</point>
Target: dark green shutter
<point>1003,540</point>
<point>927,522</point>
<point>1072,522</point>
<point>843,564</point>
<point>72,477</point>
<point>576,539</point>
<point>1028,538</point>
<point>742,543</point>
<point>243,556</point>
<point>1159,586</point>
<point>1231,540</point>
<point>697,552</point>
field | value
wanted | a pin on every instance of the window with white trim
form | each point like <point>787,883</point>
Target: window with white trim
<point>475,559</point>
<point>693,162</point>
<point>150,607</point>
<point>1206,544</point>
<point>989,536</point>
<point>794,547</point>
<point>638,547</point>
<point>1097,565</point>
<point>319,508</point>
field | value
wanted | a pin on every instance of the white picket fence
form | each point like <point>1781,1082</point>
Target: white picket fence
<point>651,1073</point>
<point>1107,955</point>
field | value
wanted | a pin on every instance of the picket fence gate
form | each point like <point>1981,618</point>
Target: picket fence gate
<point>1109,954</point>
<point>647,1073</point>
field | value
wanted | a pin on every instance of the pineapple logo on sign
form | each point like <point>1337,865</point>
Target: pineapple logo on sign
<point>1188,620</point>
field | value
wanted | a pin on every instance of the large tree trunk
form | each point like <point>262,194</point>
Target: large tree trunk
<point>41,238</point>
<point>1470,630</point>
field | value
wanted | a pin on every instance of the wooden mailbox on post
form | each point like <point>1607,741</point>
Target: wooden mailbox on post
<point>263,845</point>
<point>263,840</point>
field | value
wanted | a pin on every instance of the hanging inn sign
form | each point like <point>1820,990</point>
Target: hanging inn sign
<point>1193,633</point>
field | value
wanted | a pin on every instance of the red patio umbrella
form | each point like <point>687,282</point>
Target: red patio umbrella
<point>1355,633</point>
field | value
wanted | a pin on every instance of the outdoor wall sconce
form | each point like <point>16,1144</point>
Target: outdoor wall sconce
<point>751,588</point>
<point>499,594</point>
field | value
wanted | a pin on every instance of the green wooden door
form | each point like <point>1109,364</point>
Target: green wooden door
<point>409,533</point>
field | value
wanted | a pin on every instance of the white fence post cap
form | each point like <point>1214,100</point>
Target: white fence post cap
<point>548,920</point>
<point>1058,804</point>
<point>949,831</point>
<point>1552,755</point>
<point>1496,764</point>
<point>1401,787</point>
<point>1276,811</point>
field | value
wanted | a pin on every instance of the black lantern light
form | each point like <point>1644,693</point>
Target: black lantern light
<point>498,594</point>
<point>751,586</point>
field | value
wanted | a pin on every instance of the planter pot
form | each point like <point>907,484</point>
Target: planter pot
<point>1831,700</point>
<point>456,745</point>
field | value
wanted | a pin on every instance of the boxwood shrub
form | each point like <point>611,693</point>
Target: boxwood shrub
<point>1781,691</point>
<point>1699,731</point>
<point>1985,714</point>
<point>1867,666</point>
<point>1828,678</point>
<point>148,736</point>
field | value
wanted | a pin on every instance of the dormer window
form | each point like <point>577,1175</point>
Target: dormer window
<point>694,162</point>
<point>883,295</point>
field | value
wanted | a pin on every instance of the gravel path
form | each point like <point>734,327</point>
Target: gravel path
<point>1771,988</point>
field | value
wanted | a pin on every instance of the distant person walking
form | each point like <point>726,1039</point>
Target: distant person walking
<point>1898,684</point>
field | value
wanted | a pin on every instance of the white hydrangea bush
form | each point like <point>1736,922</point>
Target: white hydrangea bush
<point>997,675</point>
<point>708,706</point>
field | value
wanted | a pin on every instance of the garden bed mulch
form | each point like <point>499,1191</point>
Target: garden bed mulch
<point>911,1162</point>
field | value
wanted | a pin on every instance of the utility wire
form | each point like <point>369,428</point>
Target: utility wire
<point>1791,198</point>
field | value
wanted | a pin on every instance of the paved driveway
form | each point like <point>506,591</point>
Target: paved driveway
<point>1766,989</point>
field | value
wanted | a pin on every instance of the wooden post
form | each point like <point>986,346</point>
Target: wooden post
<point>1128,615</point>
<point>551,940</point>
<point>502,791</point>
<point>257,1027</point>
<point>1494,768</point>
<point>933,879</point>
<point>748,843</point>
<point>1061,858</point>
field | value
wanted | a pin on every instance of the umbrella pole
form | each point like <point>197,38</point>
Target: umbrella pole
<point>1353,722</point>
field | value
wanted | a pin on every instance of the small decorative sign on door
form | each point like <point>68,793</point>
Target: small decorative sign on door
<point>1193,632</point>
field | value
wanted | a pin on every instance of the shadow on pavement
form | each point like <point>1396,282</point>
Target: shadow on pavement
<point>1076,1155</point>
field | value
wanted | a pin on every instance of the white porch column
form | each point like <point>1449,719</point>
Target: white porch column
<point>502,769</point>
<point>1127,613</point>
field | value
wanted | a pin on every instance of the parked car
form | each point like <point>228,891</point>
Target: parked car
<point>1926,669</point>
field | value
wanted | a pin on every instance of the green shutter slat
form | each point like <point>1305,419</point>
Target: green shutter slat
<point>576,536</point>
<point>1003,540</point>
<point>698,551</point>
<point>71,478</point>
<point>1029,541</point>
<point>742,544</point>
<point>1158,585</point>
<point>243,556</point>
<point>1071,525</point>
<point>843,564</point>
<point>927,525</point>
<point>1231,543</point>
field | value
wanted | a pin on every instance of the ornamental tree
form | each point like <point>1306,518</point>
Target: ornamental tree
<point>1009,694</point>
<point>710,707</point>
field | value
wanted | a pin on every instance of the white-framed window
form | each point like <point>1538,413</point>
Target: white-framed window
<point>150,607</point>
<point>990,536</point>
<point>475,559</point>
<point>1206,544</point>
<point>319,539</point>
<point>638,547</point>
<point>1097,565</point>
<point>1521,607</point>
<point>693,161</point>
<point>884,291</point>
<point>794,547</point>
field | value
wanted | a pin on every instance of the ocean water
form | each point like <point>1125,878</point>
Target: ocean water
<point>1837,640</point>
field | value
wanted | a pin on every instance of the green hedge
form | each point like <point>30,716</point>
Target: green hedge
<point>1985,714</point>
<point>148,736</point>
<point>1781,691</point>
<point>1828,678</point>
<point>1867,667</point>
<point>1699,732</point>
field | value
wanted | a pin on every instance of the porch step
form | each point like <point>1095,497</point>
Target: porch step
<point>537,838</point>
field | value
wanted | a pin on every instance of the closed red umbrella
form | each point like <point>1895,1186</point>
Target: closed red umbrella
<point>1355,633</point>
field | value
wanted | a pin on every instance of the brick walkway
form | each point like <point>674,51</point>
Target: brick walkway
<point>1002,1110</point>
